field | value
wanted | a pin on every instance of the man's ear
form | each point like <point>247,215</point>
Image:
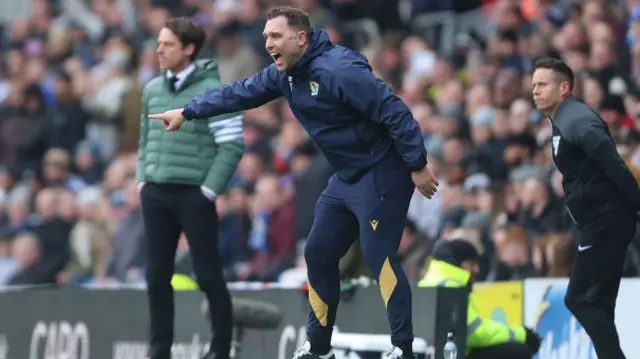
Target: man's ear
<point>565,88</point>
<point>303,38</point>
<point>190,48</point>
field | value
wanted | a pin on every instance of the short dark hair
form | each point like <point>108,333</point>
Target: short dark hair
<point>188,33</point>
<point>559,68</point>
<point>296,18</point>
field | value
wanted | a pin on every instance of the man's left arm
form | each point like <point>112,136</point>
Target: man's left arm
<point>142,143</point>
<point>358,87</point>
<point>229,139</point>
<point>591,136</point>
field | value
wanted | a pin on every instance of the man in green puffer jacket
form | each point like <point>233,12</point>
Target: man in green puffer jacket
<point>179,175</point>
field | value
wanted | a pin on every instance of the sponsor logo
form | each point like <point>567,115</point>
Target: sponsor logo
<point>562,336</point>
<point>502,302</point>
<point>60,340</point>
<point>291,338</point>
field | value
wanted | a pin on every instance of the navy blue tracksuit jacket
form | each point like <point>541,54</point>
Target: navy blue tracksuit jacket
<point>353,116</point>
<point>370,138</point>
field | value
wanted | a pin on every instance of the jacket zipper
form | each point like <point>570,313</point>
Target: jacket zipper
<point>553,159</point>
<point>571,215</point>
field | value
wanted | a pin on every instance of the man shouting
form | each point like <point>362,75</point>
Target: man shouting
<point>370,138</point>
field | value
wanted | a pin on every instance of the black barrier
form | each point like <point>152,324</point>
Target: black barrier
<point>112,324</point>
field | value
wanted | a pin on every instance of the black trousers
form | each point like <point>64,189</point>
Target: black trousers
<point>169,210</point>
<point>502,351</point>
<point>595,278</point>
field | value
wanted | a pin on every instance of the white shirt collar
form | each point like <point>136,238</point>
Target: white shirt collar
<point>182,75</point>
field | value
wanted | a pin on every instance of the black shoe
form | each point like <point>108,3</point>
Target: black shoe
<point>396,353</point>
<point>305,353</point>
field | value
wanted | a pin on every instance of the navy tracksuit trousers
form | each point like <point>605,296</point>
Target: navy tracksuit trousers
<point>375,209</point>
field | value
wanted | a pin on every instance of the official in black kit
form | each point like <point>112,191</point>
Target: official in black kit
<point>602,197</point>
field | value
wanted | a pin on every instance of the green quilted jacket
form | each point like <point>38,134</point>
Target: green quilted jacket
<point>201,152</point>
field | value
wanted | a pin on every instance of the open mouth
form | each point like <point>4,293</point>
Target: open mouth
<point>276,56</point>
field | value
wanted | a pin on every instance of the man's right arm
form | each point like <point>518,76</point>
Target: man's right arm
<point>245,94</point>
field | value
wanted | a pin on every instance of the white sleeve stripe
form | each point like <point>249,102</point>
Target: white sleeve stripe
<point>230,125</point>
<point>215,125</point>
<point>226,122</point>
<point>228,131</point>
<point>225,130</point>
<point>227,138</point>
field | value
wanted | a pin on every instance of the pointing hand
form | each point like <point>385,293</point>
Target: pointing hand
<point>172,120</point>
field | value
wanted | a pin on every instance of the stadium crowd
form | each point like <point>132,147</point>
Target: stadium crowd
<point>70,87</point>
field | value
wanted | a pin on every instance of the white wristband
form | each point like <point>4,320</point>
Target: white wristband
<point>208,193</point>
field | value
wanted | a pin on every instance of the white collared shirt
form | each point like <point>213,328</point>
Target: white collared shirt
<point>182,75</point>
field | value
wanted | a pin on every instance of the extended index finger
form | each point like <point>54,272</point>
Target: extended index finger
<point>159,116</point>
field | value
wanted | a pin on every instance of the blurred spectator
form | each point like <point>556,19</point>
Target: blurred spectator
<point>272,238</point>
<point>8,264</point>
<point>52,224</point>
<point>88,164</point>
<point>539,212</point>
<point>57,171</point>
<point>553,254</point>
<point>27,132</point>
<point>127,255</point>
<point>66,125</point>
<point>352,264</point>
<point>17,205</point>
<point>512,261</point>
<point>310,181</point>
<point>249,169</point>
<point>236,60</point>
<point>26,252</point>
<point>413,247</point>
<point>90,240</point>
<point>230,225</point>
